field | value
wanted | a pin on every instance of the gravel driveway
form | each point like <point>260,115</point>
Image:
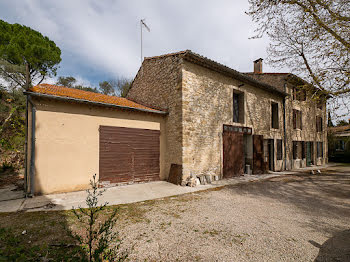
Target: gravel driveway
<point>291,218</point>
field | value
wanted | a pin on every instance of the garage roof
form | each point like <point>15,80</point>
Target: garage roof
<point>61,92</point>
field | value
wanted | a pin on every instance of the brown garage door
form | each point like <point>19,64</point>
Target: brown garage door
<point>233,154</point>
<point>128,154</point>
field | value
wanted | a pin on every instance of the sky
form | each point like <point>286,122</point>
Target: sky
<point>100,39</point>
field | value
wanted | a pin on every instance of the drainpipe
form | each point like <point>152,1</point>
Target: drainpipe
<point>26,152</point>
<point>32,152</point>
<point>284,129</point>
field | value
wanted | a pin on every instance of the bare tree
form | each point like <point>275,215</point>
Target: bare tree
<point>311,38</point>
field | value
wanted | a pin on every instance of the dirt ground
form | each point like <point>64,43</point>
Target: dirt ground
<point>295,218</point>
<point>292,218</point>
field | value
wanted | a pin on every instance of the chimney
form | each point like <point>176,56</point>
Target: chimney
<point>258,66</point>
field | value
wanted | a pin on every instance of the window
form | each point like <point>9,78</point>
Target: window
<point>319,124</point>
<point>319,149</point>
<point>279,149</point>
<point>274,115</point>
<point>299,94</point>
<point>319,104</point>
<point>238,107</point>
<point>297,119</point>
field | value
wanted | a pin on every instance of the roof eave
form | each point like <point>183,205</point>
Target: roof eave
<point>93,102</point>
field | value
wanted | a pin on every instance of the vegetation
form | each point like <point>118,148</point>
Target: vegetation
<point>98,236</point>
<point>26,56</point>
<point>311,38</point>
<point>114,87</point>
<point>342,122</point>
<point>12,127</point>
<point>71,82</point>
<point>119,86</point>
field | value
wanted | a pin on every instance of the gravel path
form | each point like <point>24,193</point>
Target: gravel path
<point>293,218</point>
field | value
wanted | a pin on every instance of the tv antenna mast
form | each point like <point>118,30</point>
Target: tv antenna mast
<point>143,24</point>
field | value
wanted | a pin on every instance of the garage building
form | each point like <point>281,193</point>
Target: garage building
<point>74,134</point>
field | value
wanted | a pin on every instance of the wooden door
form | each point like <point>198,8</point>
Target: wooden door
<point>258,154</point>
<point>233,154</point>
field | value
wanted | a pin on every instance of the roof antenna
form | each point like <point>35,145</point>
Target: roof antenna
<point>143,24</point>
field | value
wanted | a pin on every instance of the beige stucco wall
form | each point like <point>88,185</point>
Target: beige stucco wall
<point>207,106</point>
<point>67,142</point>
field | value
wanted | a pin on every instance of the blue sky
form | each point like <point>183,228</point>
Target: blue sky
<point>101,39</point>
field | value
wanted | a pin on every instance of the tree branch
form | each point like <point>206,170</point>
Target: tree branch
<point>319,21</point>
<point>8,119</point>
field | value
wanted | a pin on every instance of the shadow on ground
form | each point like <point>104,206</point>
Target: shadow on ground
<point>337,248</point>
<point>326,196</point>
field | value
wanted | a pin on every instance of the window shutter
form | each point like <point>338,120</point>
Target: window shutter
<point>301,120</point>
<point>294,119</point>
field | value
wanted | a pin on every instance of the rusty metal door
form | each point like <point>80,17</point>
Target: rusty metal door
<point>233,154</point>
<point>128,155</point>
<point>258,154</point>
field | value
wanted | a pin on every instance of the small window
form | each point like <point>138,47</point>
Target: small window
<point>279,149</point>
<point>319,124</point>
<point>238,107</point>
<point>319,149</point>
<point>297,119</point>
<point>319,104</point>
<point>299,94</point>
<point>274,115</point>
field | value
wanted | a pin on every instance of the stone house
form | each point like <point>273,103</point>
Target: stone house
<point>184,115</point>
<point>306,118</point>
<point>224,123</point>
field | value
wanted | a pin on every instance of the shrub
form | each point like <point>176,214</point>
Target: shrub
<point>99,240</point>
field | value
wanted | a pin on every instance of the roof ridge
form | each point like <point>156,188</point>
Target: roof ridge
<point>169,54</point>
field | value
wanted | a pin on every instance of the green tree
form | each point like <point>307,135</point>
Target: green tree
<point>107,88</point>
<point>71,82</point>
<point>118,86</point>
<point>26,56</point>
<point>67,81</point>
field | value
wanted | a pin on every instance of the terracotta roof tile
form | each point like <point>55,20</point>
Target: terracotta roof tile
<point>66,92</point>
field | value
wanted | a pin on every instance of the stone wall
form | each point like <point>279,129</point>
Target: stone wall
<point>308,132</point>
<point>199,103</point>
<point>158,85</point>
<point>207,106</point>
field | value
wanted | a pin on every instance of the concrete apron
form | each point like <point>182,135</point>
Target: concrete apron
<point>124,194</point>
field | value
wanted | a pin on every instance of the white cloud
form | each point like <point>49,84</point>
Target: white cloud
<point>105,35</point>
